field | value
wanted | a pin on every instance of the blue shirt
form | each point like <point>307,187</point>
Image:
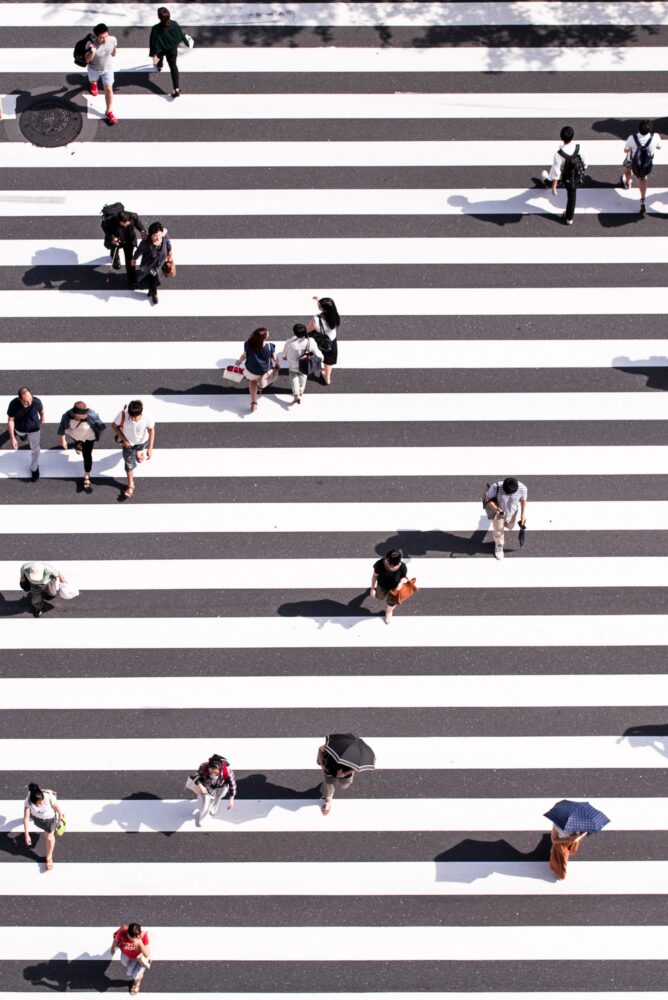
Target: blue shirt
<point>259,362</point>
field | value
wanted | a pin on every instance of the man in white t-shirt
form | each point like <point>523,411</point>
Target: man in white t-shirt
<point>561,171</point>
<point>136,430</point>
<point>639,150</point>
<point>99,54</point>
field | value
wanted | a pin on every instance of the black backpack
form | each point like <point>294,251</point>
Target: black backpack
<point>111,211</point>
<point>574,168</point>
<point>642,160</point>
<point>79,51</point>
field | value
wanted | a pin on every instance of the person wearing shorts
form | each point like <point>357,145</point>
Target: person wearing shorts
<point>388,574</point>
<point>41,806</point>
<point>100,50</point>
<point>135,949</point>
<point>135,429</point>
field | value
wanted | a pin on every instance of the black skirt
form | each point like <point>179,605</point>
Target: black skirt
<point>331,357</point>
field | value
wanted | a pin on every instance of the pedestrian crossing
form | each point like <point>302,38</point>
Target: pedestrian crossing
<point>387,155</point>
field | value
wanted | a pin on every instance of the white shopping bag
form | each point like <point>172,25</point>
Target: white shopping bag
<point>67,591</point>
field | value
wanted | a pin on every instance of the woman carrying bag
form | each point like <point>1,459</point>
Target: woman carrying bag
<point>213,781</point>
<point>42,807</point>
<point>260,363</point>
<point>324,329</point>
<point>84,427</point>
<point>135,952</point>
<point>303,359</point>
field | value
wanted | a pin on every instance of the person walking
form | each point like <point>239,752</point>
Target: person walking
<point>325,327</point>
<point>388,574</point>
<point>39,580</point>
<point>135,948</point>
<point>564,844</point>
<point>84,427</point>
<point>42,807</point>
<point>122,232</point>
<point>259,360</point>
<point>639,150</point>
<point>214,780</point>
<point>25,418</point>
<point>100,51</point>
<point>333,777</point>
<point>152,253</point>
<point>135,429</point>
<point>502,501</point>
<point>567,169</point>
<point>163,44</point>
<point>295,346</point>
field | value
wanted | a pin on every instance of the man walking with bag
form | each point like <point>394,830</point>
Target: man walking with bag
<point>135,430</point>
<point>568,169</point>
<point>639,150</point>
<point>502,501</point>
<point>100,51</point>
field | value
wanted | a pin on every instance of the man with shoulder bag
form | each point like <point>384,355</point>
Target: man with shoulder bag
<point>502,502</point>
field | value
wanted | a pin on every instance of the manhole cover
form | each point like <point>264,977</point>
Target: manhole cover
<point>51,122</point>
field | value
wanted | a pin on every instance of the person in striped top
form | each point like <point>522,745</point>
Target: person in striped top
<point>502,501</point>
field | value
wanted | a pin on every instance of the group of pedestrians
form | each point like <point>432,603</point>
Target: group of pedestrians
<point>147,250</point>
<point>98,50</point>
<point>569,165</point>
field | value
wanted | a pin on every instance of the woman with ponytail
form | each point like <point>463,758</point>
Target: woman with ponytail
<point>163,44</point>
<point>41,806</point>
<point>324,329</point>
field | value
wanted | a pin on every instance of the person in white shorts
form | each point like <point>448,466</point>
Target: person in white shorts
<point>99,53</point>
<point>639,150</point>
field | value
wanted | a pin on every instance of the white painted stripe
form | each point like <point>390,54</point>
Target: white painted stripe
<point>590,460</point>
<point>370,943</point>
<point>413,106</point>
<point>418,691</point>
<point>580,301</point>
<point>331,201</point>
<point>340,59</point>
<point>191,355</point>
<point>267,518</point>
<point>319,574</point>
<point>409,407</point>
<point>407,14</point>
<point>317,878</point>
<point>349,816</point>
<point>393,753</point>
<point>427,153</point>
<point>566,995</point>
<point>356,250</point>
<point>336,631</point>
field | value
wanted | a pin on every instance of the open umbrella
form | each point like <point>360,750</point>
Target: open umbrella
<point>577,816</point>
<point>350,751</point>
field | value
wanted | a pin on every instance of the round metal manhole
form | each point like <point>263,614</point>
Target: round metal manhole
<point>50,122</point>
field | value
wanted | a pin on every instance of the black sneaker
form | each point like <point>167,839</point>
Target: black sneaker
<point>154,298</point>
<point>37,612</point>
<point>35,475</point>
<point>643,208</point>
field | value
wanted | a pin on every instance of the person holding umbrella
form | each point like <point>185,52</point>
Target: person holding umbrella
<point>502,501</point>
<point>572,821</point>
<point>340,756</point>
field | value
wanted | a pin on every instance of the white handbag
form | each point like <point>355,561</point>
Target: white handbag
<point>192,786</point>
<point>190,41</point>
<point>67,591</point>
<point>233,373</point>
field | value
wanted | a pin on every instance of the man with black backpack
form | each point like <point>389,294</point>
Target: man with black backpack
<point>122,230</point>
<point>568,169</point>
<point>639,150</point>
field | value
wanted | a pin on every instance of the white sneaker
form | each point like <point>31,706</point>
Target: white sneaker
<point>545,177</point>
<point>498,552</point>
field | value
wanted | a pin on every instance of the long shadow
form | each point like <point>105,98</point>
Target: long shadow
<point>113,813</point>
<point>471,849</point>
<point>638,737</point>
<point>471,860</point>
<point>16,846</point>
<point>84,973</point>
<point>656,375</point>
<point>622,128</point>
<point>257,786</point>
<point>148,81</point>
<point>221,398</point>
<point>329,610</point>
<point>71,277</point>
<point>419,543</point>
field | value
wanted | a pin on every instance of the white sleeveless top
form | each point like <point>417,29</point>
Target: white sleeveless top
<point>45,810</point>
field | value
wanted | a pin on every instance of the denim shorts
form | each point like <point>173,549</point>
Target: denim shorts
<point>105,75</point>
<point>130,456</point>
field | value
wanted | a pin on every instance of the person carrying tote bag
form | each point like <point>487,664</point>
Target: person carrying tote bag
<point>260,363</point>
<point>303,360</point>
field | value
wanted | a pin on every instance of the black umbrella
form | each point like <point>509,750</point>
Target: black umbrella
<point>523,533</point>
<point>350,751</point>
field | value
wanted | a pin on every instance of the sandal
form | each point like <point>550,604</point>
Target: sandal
<point>86,484</point>
<point>49,864</point>
<point>134,989</point>
<point>326,807</point>
<point>128,493</point>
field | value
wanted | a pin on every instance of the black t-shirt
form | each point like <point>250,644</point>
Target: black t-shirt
<point>26,418</point>
<point>388,579</point>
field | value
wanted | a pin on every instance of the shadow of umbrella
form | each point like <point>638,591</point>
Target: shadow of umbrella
<point>654,369</point>
<point>472,859</point>
<point>654,736</point>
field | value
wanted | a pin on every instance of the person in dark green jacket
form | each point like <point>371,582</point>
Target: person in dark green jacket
<point>163,43</point>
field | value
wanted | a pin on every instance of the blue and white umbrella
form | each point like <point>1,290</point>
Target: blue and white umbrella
<point>577,817</point>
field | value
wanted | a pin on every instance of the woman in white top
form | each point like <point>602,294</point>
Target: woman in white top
<point>84,427</point>
<point>293,349</point>
<point>644,138</point>
<point>41,805</point>
<point>326,323</point>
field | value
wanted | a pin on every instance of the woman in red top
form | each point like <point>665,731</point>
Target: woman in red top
<point>135,952</point>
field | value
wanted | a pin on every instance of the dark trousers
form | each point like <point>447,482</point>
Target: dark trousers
<point>128,250</point>
<point>87,454</point>
<point>571,196</point>
<point>170,55</point>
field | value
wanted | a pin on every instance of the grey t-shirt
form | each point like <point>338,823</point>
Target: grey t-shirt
<point>102,59</point>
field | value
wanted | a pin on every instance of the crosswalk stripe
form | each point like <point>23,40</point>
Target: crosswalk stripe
<point>228,462</point>
<point>304,878</point>
<point>366,407</point>
<point>85,816</point>
<point>298,753</point>
<point>373,354</point>
<point>337,631</point>
<point>368,995</point>
<point>485,944</point>
<point>427,301</point>
<point>316,574</point>
<point>402,14</point>
<point>40,203</point>
<point>269,518</point>
<point>356,250</point>
<point>340,59</point>
<point>482,691</point>
<point>424,153</point>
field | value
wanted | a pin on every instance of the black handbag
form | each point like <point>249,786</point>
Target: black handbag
<point>309,363</point>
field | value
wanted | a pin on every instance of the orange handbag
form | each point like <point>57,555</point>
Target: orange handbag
<point>405,591</point>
